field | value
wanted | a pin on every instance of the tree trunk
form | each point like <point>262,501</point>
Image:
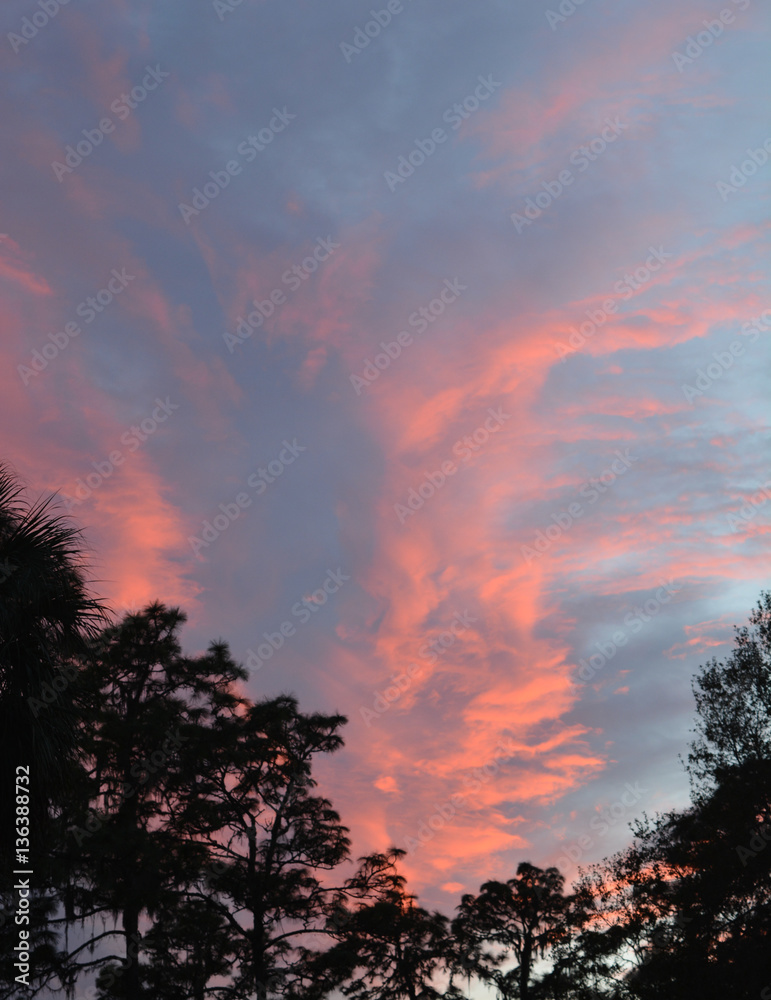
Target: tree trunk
<point>131,977</point>
<point>131,863</point>
<point>524,969</point>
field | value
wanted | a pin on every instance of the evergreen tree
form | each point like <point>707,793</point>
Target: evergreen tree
<point>248,798</point>
<point>687,907</point>
<point>387,948</point>
<point>142,702</point>
<point>510,922</point>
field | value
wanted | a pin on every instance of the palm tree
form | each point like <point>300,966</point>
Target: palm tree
<point>47,617</point>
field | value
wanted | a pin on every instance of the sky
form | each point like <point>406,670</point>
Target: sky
<point>421,351</point>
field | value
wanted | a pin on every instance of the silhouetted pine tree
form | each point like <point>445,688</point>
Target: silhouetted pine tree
<point>502,931</point>
<point>142,702</point>
<point>248,798</point>
<point>387,948</point>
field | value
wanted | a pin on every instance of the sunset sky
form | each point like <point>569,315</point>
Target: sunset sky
<point>439,336</point>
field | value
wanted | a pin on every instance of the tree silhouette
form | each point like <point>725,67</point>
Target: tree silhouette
<point>189,951</point>
<point>249,800</point>
<point>141,701</point>
<point>733,705</point>
<point>517,920</point>
<point>191,858</point>
<point>387,949</point>
<point>46,617</point>
<point>687,907</point>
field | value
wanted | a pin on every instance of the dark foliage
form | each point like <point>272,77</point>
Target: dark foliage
<point>186,855</point>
